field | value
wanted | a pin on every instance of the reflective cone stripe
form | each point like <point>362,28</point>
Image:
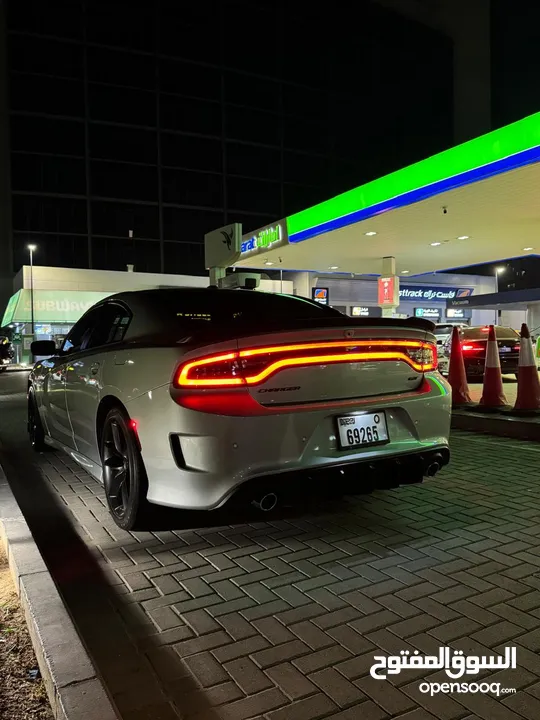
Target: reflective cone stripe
<point>528,393</point>
<point>492,394</point>
<point>457,376</point>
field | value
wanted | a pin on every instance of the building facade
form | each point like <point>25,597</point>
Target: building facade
<point>131,129</point>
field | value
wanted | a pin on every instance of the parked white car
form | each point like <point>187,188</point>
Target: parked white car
<point>185,397</point>
<point>443,333</point>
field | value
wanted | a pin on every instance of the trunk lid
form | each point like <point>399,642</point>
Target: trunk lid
<point>311,365</point>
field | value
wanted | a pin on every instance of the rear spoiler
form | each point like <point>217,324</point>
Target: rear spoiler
<point>243,329</point>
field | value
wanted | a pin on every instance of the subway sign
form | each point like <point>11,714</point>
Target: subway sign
<point>432,292</point>
<point>266,239</point>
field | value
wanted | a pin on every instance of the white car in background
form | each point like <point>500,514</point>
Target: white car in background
<point>443,333</point>
<point>186,397</point>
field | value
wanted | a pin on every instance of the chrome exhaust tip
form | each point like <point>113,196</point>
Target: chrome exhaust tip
<point>432,469</point>
<point>266,503</point>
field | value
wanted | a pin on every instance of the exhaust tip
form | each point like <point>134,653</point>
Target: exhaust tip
<point>266,503</point>
<point>432,469</point>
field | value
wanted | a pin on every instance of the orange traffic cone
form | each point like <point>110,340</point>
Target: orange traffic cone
<point>457,377</point>
<point>493,398</point>
<point>528,393</point>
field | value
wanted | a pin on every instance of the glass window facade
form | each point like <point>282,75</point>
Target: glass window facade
<point>169,119</point>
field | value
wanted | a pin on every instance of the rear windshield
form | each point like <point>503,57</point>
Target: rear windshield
<point>224,307</point>
<point>443,329</point>
<point>481,333</point>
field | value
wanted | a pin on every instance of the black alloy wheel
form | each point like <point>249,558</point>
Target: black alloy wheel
<point>124,476</point>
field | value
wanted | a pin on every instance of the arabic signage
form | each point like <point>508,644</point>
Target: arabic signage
<point>50,306</point>
<point>268,238</point>
<point>455,313</point>
<point>428,313</point>
<point>433,292</point>
<point>388,291</point>
<point>359,311</point>
<point>320,295</point>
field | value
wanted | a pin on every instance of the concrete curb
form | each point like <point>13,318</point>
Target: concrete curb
<point>517,428</point>
<point>74,689</point>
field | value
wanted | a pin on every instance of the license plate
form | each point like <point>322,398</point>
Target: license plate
<point>362,430</point>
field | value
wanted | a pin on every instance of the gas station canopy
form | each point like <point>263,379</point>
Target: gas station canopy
<point>472,204</point>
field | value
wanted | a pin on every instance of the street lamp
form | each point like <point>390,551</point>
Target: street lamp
<point>498,271</point>
<point>31,250</point>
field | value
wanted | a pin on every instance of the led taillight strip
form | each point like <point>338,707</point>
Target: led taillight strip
<point>183,379</point>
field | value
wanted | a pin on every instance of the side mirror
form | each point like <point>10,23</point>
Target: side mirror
<point>43,348</point>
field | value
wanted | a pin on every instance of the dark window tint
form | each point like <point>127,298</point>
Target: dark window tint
<point>123,180</point>
<point>252,92</point>
<point>46,173</point>
<point>185,258</point>
<point>254,196</point>
<point>188,79</point>
<point>113,322</point>
<point>116,253</point>
<point>190,152</point>
<point>48,135</point>
<point>60,19</point>
<point>45,56</point>
<point>481,333</point>
<point>185,225</point>
<point>125,24</point>
<point>64,215</point>
<point>81,331</point>
<point>306,169</point>
<point>189,115</point>
<point>113,218</point>
<point>122,105</point>
<point>253,161</point>
<point>252,125</point>
<point>53,96</point>
<point>185,187</point>
<point>218,307</point>
<point>191,31</point>
<point>121,143</point>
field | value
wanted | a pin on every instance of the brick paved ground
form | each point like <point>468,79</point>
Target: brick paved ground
<point>281,620</point>
<point>509,387</point>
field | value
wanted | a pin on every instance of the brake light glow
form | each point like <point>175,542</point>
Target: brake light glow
<point>254,366</point>
<point>469,347</point>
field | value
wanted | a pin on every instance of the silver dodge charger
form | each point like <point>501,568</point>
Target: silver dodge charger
<point>187,397</point>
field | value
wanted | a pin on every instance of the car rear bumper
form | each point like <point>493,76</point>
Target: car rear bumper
<point>475,366</point>
<point>197,460</point>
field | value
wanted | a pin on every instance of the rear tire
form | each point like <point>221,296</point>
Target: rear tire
<point>36,433</point>
<point>124,474</point>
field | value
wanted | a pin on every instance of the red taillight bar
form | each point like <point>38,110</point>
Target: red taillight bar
<point>233,369</point>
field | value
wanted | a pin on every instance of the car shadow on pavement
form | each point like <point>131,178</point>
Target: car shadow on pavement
<point>92,600</point>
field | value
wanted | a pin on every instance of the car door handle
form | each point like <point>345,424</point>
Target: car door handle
<point>94,369</point>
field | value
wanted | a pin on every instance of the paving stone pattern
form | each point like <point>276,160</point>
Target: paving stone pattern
<point>281,620</point>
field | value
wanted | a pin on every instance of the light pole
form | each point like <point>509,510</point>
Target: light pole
<point>498,270</point>
<point>32,249</point>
